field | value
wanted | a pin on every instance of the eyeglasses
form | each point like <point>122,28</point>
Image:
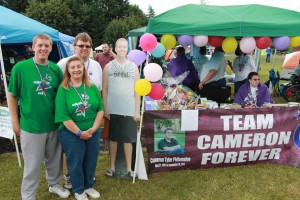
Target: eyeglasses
<point>82,46</point>
<point>256,79</point>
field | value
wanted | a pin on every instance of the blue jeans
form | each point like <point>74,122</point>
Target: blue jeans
<point>176,151</point>
<point>82,156</point>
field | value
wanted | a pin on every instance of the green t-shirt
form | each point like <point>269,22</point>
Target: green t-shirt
<point>37,103</point>
<point>70,107</point>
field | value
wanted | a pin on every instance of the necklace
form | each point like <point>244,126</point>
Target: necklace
<point>87,69</point>
<point>43,80</point>
<point>241,64</point>
<point>83,100</point>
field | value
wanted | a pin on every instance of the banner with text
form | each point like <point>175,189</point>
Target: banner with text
<point>224,138</point>
<point>5,123</point>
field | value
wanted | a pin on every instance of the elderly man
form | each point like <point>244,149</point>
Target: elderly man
<point>82,45</point>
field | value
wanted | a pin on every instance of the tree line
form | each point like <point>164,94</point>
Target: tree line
<point>105,21</point>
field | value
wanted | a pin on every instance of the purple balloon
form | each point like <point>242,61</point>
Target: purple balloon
<point>137,56</point>
<point>185,40</point>
<point>281,43</point>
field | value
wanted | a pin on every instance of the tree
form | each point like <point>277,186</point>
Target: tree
<point>54,13</point>
<point>15,5</point>
<point>127,17</point>
<point>151,12</point>
<point>118,28</point>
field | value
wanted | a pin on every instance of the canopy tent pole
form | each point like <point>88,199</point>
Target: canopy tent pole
<point>274,57</point>
<point>257,59</point>
<point>6,93</point>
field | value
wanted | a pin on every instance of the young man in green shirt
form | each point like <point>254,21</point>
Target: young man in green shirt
<point>34,83</point>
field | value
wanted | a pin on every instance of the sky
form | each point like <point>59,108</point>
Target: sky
<point>161,6</point>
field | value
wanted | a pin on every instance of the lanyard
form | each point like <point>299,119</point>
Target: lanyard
<point>43,81</point>
<point>87,69</point>
<point>84,102</point>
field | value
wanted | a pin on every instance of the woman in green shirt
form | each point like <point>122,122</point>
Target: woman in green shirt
<point>79,109</point>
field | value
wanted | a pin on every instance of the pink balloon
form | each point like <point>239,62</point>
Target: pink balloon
<point>157,91</point>
<point>185,40</point>
<point>137,56</point>
<point>247,44</point>
<point>153,72</point>
<point>148,42</point>
<point>200,40</point>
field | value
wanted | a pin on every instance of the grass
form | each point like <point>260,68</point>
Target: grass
<point>251,182</point>
<point>262,181</point>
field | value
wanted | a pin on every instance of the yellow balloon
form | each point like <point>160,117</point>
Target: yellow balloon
<point>143,87</point>
<point>169,41</point>
<point>229,44</point>
<point>295,41</point>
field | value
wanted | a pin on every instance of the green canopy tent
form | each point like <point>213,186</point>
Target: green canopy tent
<point>137,32</point>
<point>239,20</point>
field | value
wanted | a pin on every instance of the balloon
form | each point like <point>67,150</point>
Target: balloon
<point>282,42</point>
<point>185,40</point>
<point>169,41</point>
<point>201,40</point>
<point>148,42</point>
<point>263,42</point>
<point>153,72</point>
<point>159,51</point>
<point>157,91</point>
<point>215,41</point>
<point>247,44</point>
<point>229,44</point>
<point>137,56</point>
<point>142,87</point>
<point>295,41</point>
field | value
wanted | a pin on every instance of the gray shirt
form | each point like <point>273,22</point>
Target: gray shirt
<point>218,63</point>
<point>121,94</point>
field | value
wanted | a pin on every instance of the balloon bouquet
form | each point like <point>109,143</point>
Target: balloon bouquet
<point>152,72</point>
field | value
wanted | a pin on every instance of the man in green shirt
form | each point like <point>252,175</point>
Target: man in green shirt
<point>34,83</point>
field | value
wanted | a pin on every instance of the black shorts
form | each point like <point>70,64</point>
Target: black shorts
<point>122,129</point>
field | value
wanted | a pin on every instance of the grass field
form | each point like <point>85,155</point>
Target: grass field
<point>252,182</point>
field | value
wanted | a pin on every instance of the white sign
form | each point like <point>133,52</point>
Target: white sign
<point>189,120</point>
<point>5,123</point>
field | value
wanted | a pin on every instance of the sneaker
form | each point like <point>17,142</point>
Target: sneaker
<point>130,174</point>
<point>68,183</point>
<point>92,193</point>
<point>81,196</point>
<point>109,172</point>
<point>59,190</point>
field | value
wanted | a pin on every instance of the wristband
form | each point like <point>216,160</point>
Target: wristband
<point>79,133</point>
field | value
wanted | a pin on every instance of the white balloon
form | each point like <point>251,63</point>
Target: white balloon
<point>200,40</point>
<point>247,44</point>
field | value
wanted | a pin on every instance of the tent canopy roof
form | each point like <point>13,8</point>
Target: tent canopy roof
<point>239,20</point>
<point>137,32</point>
<point>17,28</point>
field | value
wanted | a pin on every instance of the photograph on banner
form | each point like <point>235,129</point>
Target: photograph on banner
<point>169,139</point>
